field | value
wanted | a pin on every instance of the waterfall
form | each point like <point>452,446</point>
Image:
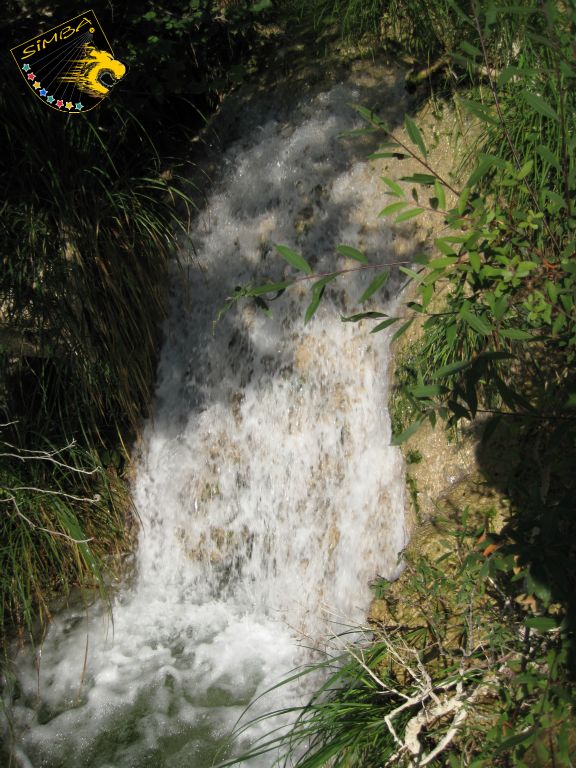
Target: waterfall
<point>267,490</point>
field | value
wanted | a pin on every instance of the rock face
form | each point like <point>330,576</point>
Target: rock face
<point>470,501</point>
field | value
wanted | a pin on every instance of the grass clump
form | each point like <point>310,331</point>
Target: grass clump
<point>62,515</point>
<point>458,668</point>
<point>89,225</point>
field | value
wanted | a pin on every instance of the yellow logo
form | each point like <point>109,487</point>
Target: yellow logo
<point>72,67</point>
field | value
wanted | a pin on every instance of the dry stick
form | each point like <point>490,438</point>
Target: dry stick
<point>411,742</point>
<point>414,156</point>
<point>372,674</point>
<point>94,500</point>
<point>423,74</point>
<point>36,527</point>
<point>565,160</point>
<point>27,455</point>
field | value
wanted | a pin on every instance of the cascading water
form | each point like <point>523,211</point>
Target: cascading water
<point>268,493</point>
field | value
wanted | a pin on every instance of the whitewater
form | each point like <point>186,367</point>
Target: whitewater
<point>267,491</point>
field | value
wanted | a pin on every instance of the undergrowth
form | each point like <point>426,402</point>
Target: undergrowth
<point>480,670</point>
<point>455,671</point>
<point>92,208</point>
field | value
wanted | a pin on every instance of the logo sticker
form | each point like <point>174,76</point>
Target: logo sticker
<point>71,68</point>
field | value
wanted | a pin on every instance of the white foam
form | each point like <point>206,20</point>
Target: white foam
<point>268,492</point>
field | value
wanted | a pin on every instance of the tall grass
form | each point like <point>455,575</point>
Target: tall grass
<point>60,514</point>
<point>456,671</point>
<point>540,66</point>
<point>89,224</point>
<point>88,228</point>
<point>422,29</point>
<point>342,724</point>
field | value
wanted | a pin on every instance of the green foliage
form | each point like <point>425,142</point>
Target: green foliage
<point>417,26</point>
<point>491,633</point>
<point>61,514</point>
<point>193,48</point>
<point>508,261</point>
<point>413,456</point>
<point>90,217</point>
<point>505,271</point>
<point>88,226</point>
<point>461,668</point>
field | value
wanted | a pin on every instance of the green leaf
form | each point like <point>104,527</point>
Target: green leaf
<point>414,133</point>
<point>463,201</point>
<point>470,49</point>
<point>259,290</point>
<point>407,433</point>
<point>558,324</point>
<point>317,293</point>
<point>476,322</point>
<point>313,306</point>
<point>377,283</point>
<point>513,741</point>
<point>451,369</point>
<point>479,110</point>
<point>261,6</point>
<point>420,178</point>
<point>410,214</point>
<point>451,335</point>
<point>392,208</point>
<point>384,324</point>
<point>371,117</point>
<point>402,330</point>
<point>411,273</point>
<point>447,261</point>
<point>552,291</point>
<point>444,246</point>
<point>500,307</point>
<point>525,170</point>
<point>507,74</point>
<point>548,156</point>
<point>541,623</point>
<point>525,267</point>
<point>378,155</point>
<point>480,171</point>
<point>516,334</point>
<point>294,259</point>
<point>395,188</point>
<point>362,316</point>
<point>475,263</point>
<point>427,390</point>
<point>540,105</point>
<point>352,253</point>
<point>324,281</point>
<point>427,292</point>
<point>440,194</point>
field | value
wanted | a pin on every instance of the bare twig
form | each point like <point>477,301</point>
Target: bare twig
<point>37,527</point>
